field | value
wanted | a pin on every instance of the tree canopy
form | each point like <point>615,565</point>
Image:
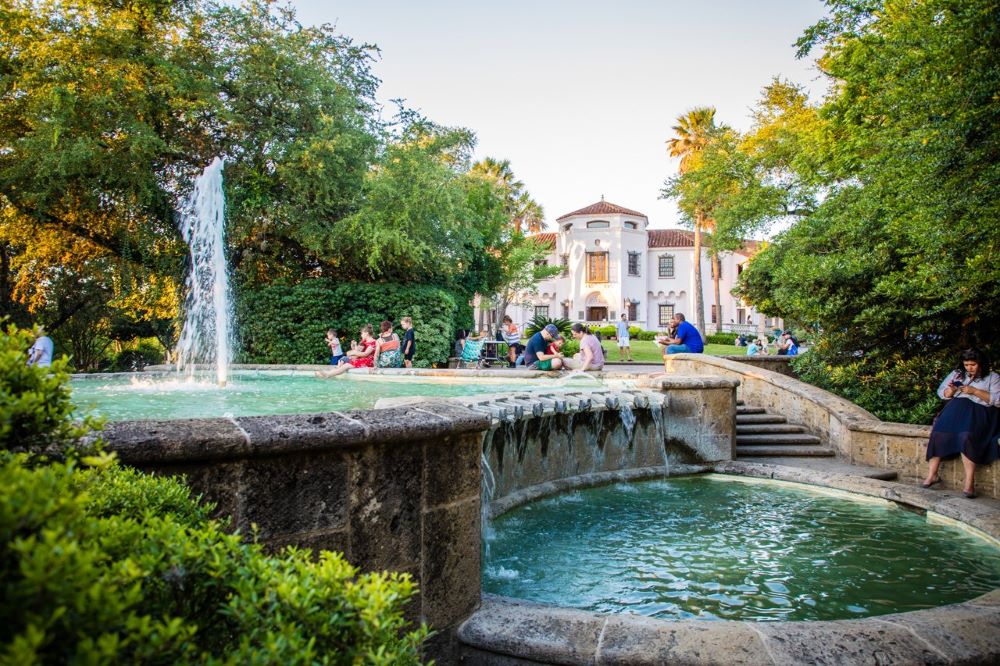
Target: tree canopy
<point>110,110</point>
<point>890,184</point>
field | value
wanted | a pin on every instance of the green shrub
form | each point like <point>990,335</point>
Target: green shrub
<point>106,565</point>
<point>282,323</point>
<point>646,335</point>
<point>722,338</point>
<point>606,331</point>
<point>892,387</point>
<point>35,408</point>
<point>538,323</point>
<point>144,352</point>
<point>571,347</point>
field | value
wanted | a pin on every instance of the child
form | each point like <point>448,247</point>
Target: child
<point>336,351</point>
<point>360,356</point>
<point>409,343</point>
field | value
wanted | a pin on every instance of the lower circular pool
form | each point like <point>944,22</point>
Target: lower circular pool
<point>712,547</point>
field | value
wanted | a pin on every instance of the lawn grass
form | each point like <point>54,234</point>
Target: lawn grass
<point>647,351</point>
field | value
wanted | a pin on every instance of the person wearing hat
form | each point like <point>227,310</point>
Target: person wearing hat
<point>537,345</point>
<point>788,346</point>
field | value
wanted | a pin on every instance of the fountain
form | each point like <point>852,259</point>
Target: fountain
<point>207,335</point>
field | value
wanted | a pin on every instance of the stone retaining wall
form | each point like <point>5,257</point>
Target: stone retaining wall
<point>779,364</point>
<point>855,434</point>
<point>393,489</point>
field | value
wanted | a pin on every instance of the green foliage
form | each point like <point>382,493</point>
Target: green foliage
<point>105,565</point>
<point>570,347</point>
<point>142,353</point>
<point>539,322</point>
<point>35,408</point>
<point>607,331</point>
<point>645,335</point>
<point>283,323</point>
<point>721,338</point>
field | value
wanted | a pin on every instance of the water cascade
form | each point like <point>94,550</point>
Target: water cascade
<point>207,333</point>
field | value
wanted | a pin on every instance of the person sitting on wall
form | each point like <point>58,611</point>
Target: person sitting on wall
<point>358,356</point>
<point>591,354</point>
<point>788,345</point>
<point>969,424</point>
<point>513,339</point>
<point>537,345</point>
<point>552,357</point>
<point>687,339</point>
<point>756,347</point>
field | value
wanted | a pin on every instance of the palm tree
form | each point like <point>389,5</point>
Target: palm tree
<point>692,133</point>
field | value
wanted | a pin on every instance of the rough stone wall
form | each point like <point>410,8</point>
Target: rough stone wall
<point>855,434</point>
<point>395,489</point>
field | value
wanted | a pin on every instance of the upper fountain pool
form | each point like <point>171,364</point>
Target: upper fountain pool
<point>254,393</point>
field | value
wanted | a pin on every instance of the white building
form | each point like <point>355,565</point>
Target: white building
<point>613,264</point>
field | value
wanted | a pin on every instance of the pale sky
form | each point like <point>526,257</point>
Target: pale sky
<point>579,96</point>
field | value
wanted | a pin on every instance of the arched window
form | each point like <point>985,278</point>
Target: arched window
<point>631,225</point>
<point>666,265</point>
<point>598,224</point>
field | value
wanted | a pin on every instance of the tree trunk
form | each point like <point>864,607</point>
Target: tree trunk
<point>716,270</point>
<point>699,298</point>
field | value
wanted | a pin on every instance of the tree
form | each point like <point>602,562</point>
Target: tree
<point>692,133</point>
<point>894,264</point>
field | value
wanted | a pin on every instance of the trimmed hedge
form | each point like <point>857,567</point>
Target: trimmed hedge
<point>721,338</point>
<point>282,323</point>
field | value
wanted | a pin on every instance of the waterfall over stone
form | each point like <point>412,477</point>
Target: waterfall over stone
<point>207,335</point>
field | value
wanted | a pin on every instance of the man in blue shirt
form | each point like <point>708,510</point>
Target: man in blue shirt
<point>688,338</point>
<point>539,342</point>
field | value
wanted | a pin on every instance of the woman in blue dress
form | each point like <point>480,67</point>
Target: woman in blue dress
<point>969,424</point>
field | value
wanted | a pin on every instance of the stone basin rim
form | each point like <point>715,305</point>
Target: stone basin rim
<point>546,633</point>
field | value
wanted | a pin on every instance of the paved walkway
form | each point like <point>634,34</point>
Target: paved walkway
<point>828,465</point>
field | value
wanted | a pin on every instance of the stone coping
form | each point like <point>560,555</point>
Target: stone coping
<point>195,440</point>
<point>845,410</point>
<point>957,633</point>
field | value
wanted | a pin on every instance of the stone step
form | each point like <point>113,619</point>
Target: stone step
<point>763,428</point>
<point>773,451</point>
<point>743,409</point>
<point>779,439</point>
<point>742,419</point>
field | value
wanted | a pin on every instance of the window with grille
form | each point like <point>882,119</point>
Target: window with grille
<point>564,262</point>
<point>542,311</point>
<point>666,314</point>
<point>666,266</point>
<point>633,263</point>
<point>597,267</point>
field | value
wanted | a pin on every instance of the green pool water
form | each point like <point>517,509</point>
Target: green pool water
<point>711,548</point>
<point>263,392</point>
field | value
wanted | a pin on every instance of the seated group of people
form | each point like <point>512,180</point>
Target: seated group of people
<point>544,350</point>
<point>382,351</point>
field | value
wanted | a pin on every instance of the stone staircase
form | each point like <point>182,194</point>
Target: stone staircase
<point>761,434</point>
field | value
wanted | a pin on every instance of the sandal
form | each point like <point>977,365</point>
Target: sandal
<point>930,484</point>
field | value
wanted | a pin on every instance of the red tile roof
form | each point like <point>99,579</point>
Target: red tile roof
<point>670,238</point>
<point>549,240</point>
<point>602,208</point>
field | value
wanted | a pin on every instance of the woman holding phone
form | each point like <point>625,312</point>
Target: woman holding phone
<point>969,424</point>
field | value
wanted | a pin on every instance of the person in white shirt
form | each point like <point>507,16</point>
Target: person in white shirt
<point>969,424</point>
<point>40,353</point>
<point>624,343</point>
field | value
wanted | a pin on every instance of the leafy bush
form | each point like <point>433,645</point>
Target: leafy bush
<point>35,408</point>
<point>283,323</point>
<point>893,388</point>
<point>571,347</point>
<point>106,565</point>
<point>539,322</point>
<point>721,338</point>
<point>606,331</point>
<point>646,335</point>
<point>144,353</point>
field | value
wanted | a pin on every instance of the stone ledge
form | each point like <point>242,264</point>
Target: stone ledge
<point>196,440</point>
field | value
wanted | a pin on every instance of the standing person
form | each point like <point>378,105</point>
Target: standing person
<point>41,351</point>
<point>969,424</point>
<point>387,348</point>
<point>537,345</point>
<point>621,331</point>
<point>513,339</point>
<point>409,341</point>
<point>591,354</point>
<point>336,350</point>
<point>687,339</point>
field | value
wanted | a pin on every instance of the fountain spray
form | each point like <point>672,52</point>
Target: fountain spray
<point>206,336</point>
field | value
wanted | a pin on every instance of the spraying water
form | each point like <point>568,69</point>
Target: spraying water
<point>206,336</point>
